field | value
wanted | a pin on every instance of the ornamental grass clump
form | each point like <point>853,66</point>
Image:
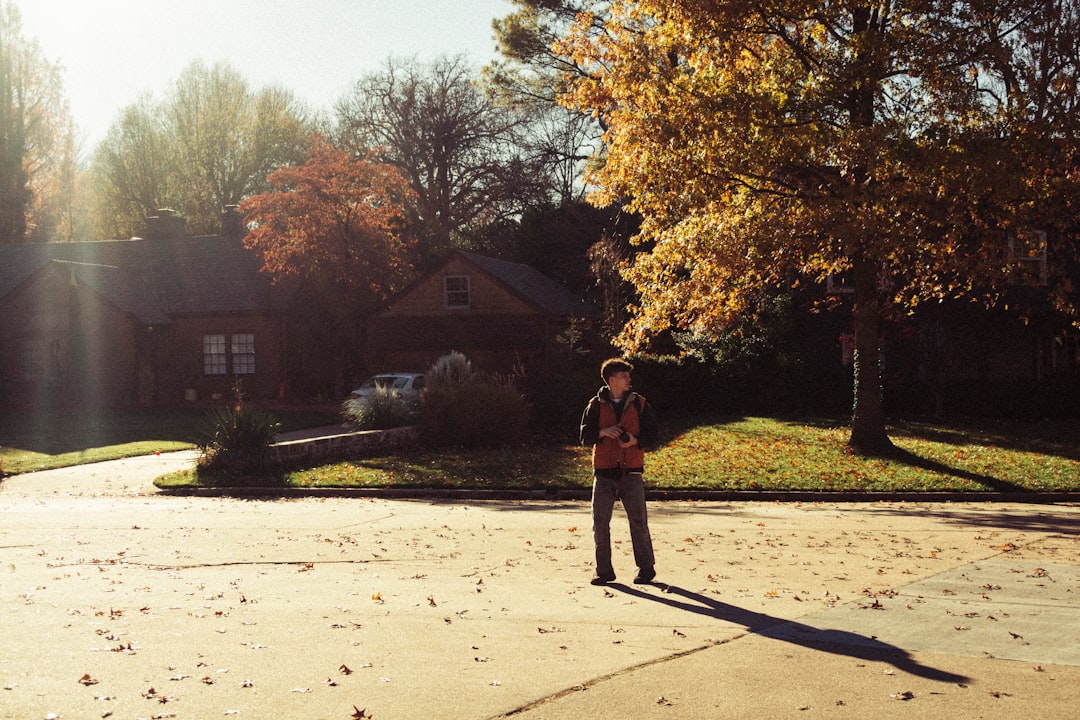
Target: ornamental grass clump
<point>384,409</point>
<point>235,445</point>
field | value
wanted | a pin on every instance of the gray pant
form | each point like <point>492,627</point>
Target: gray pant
<point>632,494</point>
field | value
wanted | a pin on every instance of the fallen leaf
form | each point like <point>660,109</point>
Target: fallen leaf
<point>87,680</point>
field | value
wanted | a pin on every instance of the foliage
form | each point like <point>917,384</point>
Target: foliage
<point>335,216</point>
<point>235,444</point>
<point>462,408</point>
<point>332,228</point>
<point>210,143</point>
<point>133,169</point>
<point>767,146</point>
<point>384,410</point>
<point>37,138</point>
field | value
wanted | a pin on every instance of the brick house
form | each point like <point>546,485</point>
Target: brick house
<point>160,319</point>
<point>500,315</point>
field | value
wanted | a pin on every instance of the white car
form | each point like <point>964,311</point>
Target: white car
<point>407,385</point>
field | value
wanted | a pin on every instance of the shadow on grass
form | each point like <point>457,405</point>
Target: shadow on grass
<point>836,642</point>
<point>529,466</point>
<point>912,460</point>
<point>1058,438</point>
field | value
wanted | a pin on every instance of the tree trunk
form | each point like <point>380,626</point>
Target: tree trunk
<point>868,436</point>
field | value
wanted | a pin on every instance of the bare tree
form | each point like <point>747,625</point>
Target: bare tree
<point>462,153</point>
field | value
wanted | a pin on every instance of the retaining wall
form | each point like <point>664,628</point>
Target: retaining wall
<point>344,445</point>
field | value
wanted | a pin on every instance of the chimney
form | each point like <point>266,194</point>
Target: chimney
<point>232,223</point>
<point>165,225</point>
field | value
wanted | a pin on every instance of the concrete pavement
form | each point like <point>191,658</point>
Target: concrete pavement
<point>118,601</point>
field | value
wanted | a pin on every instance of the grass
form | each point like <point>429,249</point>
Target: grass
<point>746,454</point>
<point>31,442</point>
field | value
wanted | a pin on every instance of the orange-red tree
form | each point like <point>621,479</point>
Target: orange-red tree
<point>334,227</point>
<point>907,145</point>
<point>335,216</point>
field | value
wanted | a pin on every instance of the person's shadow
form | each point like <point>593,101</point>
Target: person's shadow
<point>838,642</point>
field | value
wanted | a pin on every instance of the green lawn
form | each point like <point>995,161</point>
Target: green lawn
<point>748,454</point>
<point>30,442</point>
<point>732,454</point>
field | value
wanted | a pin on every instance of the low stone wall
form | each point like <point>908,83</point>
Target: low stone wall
<point>344,445</point>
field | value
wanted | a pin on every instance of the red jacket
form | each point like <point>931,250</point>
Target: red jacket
<point>607,454</point>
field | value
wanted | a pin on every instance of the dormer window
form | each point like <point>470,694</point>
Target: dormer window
<point>456,291</point>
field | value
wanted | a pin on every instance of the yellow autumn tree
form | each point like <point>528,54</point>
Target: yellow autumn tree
<point>901,144</point>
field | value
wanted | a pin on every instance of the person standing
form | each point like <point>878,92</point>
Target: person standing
<point>620,426</point>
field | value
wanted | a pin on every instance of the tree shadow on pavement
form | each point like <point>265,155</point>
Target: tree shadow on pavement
<point>837,642</point>
<point>1025,518</point>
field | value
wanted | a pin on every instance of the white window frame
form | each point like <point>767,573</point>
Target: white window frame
<point>215,357</point>
<point>243,353</point>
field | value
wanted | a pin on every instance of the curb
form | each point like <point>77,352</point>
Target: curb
<point>653,495</point>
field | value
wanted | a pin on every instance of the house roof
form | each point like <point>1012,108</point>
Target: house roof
<point>534,286</point>
<point>152,280</point>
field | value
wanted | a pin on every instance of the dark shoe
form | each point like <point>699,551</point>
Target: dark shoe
<point>602,580</point>
<point>644,577</point>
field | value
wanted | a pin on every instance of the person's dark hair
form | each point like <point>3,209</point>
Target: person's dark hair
<point>614,365</point>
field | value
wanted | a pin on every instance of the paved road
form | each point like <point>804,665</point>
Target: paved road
<point>120,602</point>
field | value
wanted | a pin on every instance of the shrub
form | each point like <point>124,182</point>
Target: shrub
<point>466,409</point>
<point>384,410</point>
<point>235,444</point>
<point>452,370</point>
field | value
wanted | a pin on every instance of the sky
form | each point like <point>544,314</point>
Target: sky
<point>114,51</point>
